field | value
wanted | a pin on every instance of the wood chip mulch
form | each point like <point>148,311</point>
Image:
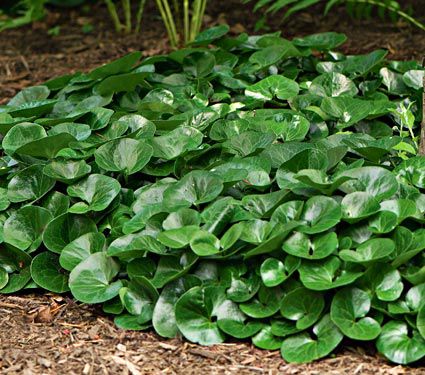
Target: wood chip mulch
<point>48,334</point>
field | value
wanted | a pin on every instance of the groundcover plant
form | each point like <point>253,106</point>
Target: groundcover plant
<point>260,189</point>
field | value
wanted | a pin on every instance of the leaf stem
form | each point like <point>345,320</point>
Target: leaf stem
<point>140,15</point>
<point>127,15</point>
<point>114,15</point>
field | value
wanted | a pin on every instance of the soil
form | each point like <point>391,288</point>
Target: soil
<point>29,55</point>
<point>49,334</point>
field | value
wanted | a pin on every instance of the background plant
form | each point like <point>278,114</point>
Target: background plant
<point>250,190</point>
<point>182,19</point>
<point>356,8</point>
<point>127,25</point>
<point>21,13</point>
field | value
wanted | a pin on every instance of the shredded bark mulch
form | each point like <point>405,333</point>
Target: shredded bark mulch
<point>49,334</point>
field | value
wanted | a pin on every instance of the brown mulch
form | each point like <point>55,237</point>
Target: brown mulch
<point>30,56</point>
<point>48,334</point>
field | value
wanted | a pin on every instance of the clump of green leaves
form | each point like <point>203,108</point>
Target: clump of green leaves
<point>248,190</point>
<point>19,13</point>
<point>356,8</point>
<point>22,13</point>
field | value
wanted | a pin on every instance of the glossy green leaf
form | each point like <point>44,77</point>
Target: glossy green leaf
<point>80,249</point>
<point>17,264</point>
<point>97,191</point>
<point>328,274</point>
<point>193,189</point>
<point>24,228</point>
<point>29,184</point>
<point>48,274</point>
<point>274,86</point>
<point>302,306</point>
<point>348,311</point>
<point>400,346</point>
<point>64,229</point>
<point>369,251</point>
<point>194,312</point>
<point>67,171</point>
<point>124,155</point>
<point>92,280</point>
<point>319,247</point>
<point>303,348</point>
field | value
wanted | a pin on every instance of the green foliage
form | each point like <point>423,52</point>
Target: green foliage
<point>356,8</point>
<point>182,19</point>
<point>28,11</point>
<point>23,12</point>
<point>249,190</point>
<point>127,25</point>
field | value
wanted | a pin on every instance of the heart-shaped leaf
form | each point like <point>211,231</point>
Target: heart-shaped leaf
<point>98,191</point>
<point>348,311</point>
<point>48,274</point>
<point>64,229</point>
<point>123,155</point>
<point>398,345</point>
<point>24,228</point>
<point>303,348</point>
<point>302,306</point>
<point>92,280</point>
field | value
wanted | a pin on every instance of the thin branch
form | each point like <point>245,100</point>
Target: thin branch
<point>140,15</point>
<point>114,15</point>
<point>422,136</point>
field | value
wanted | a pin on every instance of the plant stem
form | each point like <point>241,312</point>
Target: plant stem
<point>127,15</point>
<point>196,9</point>
<point>391,9</point>
<point>140,15</point>
<point>422,135</point>
<point>114,15</point>
<point>178,16</point>
<point>166,21</point>
<point>201,16</point>
<point>186,21</point>
<point>171,22</point>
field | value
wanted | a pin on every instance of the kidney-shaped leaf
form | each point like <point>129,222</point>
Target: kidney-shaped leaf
<point>195,309</point>
<point>302,306</point>
<point>274,86</point>
<point>29,184</point>
<point>64,229</point>
<point>303,348</point>
<point>319,214</point>
<point>348,311</point>
<point>97,190</point>
<point>327,274</point>
<point>80,249</point>
<point>24,228</point>
<point>123,155</point>
<point>194,188</point>
<point>399,345</point>
<point>48,274</point>
<point>92,280</point>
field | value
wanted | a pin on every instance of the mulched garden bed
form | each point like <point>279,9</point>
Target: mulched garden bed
<point>29,55</point>
<point>49,334</point>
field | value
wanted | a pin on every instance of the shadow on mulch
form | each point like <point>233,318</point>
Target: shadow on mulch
<point>30,56</point>
<point>48,334</point>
